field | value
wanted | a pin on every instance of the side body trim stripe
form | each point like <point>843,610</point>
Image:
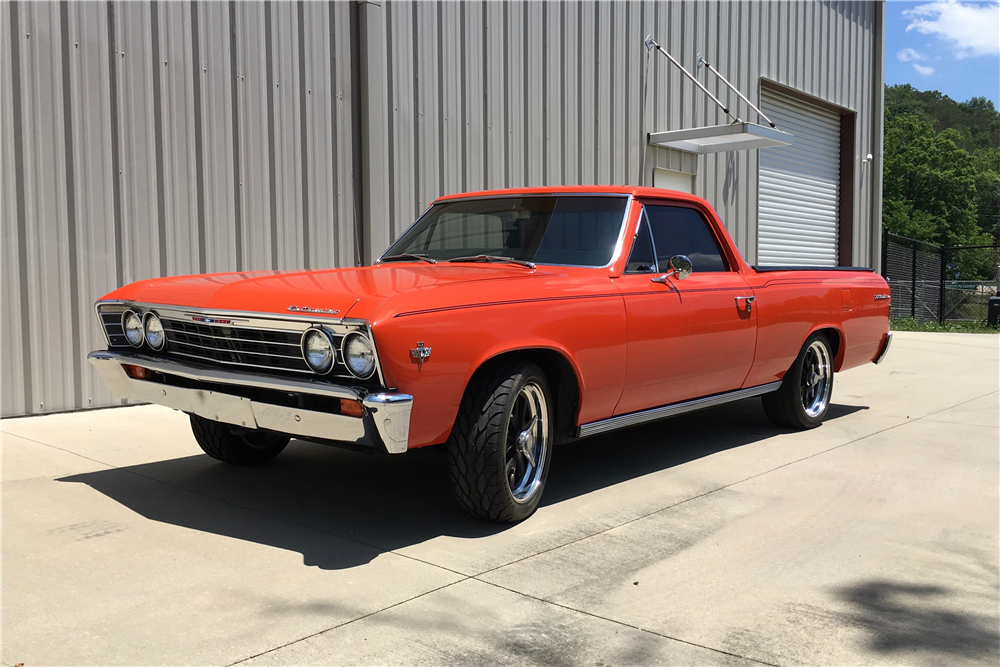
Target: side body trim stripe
<point>635,418</point>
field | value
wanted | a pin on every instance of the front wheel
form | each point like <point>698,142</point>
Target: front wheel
<point>806,389</point>
<point>500,448</point>
<point>232,444</point>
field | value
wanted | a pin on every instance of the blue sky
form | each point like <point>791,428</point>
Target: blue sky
<point>953,47</point>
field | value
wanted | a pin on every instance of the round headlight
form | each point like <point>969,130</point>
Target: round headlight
<point>318,350</point>
<point>154,331</point>
<point>359,355</point>
<point>133,328</point>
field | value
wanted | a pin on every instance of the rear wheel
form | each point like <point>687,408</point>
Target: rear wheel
<point>805,393</point>
<point>500,448</point>
<point>232,444</point>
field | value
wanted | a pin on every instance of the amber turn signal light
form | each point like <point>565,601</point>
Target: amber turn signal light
<point>137,372</point>
<point>351,408</point>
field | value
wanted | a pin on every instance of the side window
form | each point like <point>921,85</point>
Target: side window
<point>679,230</point>
<point>641,260</point>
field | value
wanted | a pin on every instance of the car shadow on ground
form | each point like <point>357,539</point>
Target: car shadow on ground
<point>340,508</point>
<point>905,617</point>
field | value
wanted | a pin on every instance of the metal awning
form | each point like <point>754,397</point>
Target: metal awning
<point>718,138</point>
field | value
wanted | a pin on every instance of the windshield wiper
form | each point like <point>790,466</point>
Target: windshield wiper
<point>494,258</point>
<point>406,257</point>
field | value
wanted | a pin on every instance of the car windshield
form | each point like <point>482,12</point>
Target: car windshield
<point>556,229</point>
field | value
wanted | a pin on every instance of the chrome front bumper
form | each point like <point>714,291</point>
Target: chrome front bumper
<point>386,419</point>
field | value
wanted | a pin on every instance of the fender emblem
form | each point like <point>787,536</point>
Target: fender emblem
<point>307,309</point>
<point>421,353</point>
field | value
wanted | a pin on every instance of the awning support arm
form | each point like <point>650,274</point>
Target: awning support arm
<point>651,43</point>
<point>702,61</point>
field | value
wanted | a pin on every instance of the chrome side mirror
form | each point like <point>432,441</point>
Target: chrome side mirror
<point>680,268</point>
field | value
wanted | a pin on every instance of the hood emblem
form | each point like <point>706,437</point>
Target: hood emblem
<point>307,309</point>
<point>421,353</point>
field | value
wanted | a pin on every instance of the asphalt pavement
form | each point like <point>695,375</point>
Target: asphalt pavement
<point>712,538</point>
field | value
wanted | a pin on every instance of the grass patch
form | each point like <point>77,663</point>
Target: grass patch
<point>910,324</point>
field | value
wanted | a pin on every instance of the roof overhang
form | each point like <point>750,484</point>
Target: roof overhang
<point>718,138</point>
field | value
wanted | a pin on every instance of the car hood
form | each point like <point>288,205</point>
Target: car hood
<point>330,292</point>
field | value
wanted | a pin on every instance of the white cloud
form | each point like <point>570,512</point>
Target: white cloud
<point>909,55</point>
<point>923,70</point>
<point>973,28</point>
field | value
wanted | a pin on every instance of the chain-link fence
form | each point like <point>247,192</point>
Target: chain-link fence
<point>931,283</point>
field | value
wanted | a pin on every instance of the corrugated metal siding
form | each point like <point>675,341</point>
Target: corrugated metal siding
<point>138,140</point>
<point>569,112</point>
<point>221,136</point>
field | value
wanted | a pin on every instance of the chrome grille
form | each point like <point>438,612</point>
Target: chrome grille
<point>112,321</point>
<point>279,350</point>
<point>235,340</point>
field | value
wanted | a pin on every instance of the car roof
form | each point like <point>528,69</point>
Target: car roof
<point>652,193</point>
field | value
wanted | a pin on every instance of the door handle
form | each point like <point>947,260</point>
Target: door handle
<point>749,301</point>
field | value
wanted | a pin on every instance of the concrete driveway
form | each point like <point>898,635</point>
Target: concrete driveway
<point>712,538</point>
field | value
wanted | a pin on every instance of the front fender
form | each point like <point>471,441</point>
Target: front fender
<point>589,333</point>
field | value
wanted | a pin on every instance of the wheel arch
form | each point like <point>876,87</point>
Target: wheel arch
<point>561,374</point>
<point>835,334</point>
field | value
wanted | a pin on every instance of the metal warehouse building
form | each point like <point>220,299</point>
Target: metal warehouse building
<point>144,139</point>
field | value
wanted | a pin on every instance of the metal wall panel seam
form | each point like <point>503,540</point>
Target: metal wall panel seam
<point>303,137</point>
<point>161,215</point>
<point>216,73</point>
<point>115,144</point>
<point>254,168</point>
<point>91,136</point>
<point>463,97</point>
<point>271,131</point>
<point>71,221</point>
<point>199,165</point>
<point>570,80</point>
<point>11,370</point>
<point>235,120</point>
<point>587,56</point>
<point>320,157</point>
<point>390,46</point>
<point>535,158</point>
<point>22,255</point>
<point>45,203</point>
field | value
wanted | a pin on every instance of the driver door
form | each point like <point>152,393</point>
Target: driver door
<point>686,338</point>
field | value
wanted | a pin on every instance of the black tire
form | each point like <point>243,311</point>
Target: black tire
<point>497,468</point>
<point>232,444</point>
<point>805,394</point>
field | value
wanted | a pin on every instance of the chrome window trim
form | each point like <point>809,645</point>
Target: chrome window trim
<point>615,255</point>
<point>652,244</point>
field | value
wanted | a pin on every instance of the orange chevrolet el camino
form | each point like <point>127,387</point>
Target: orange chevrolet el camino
<point>498,325</point>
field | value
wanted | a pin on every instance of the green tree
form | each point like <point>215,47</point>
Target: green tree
<point>987,164</point>
<point>929,184</point>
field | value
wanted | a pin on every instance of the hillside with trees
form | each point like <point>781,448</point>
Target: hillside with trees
<point>942,168</point>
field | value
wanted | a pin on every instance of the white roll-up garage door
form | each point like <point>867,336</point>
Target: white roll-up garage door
<point>799,186</point>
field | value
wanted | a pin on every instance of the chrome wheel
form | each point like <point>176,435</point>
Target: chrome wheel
<point>816,381</point>
<point>527,443</point>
